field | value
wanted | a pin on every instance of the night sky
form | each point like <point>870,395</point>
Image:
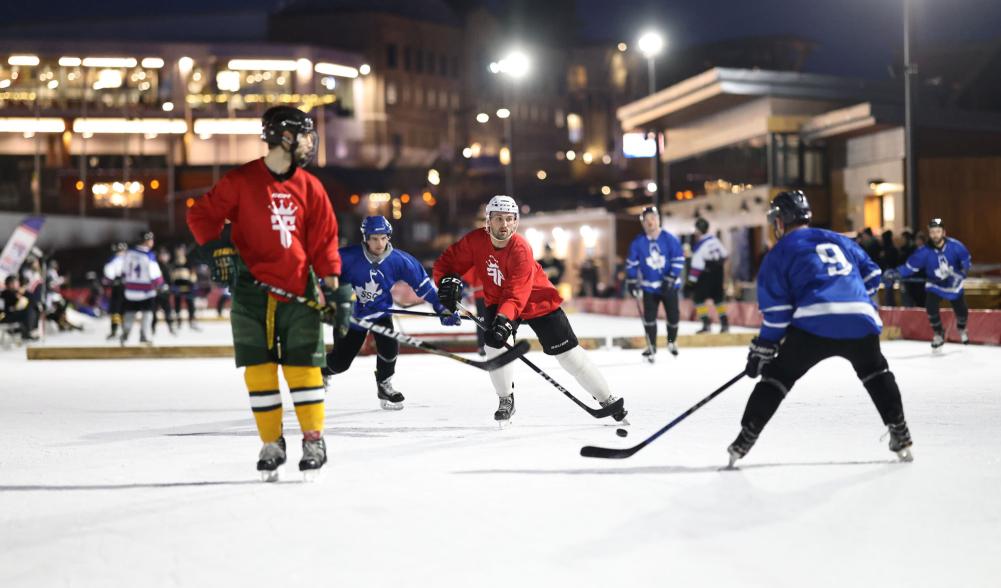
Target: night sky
<point>856,37</point>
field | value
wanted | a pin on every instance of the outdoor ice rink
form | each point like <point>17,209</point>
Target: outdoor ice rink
<point>141,473</point>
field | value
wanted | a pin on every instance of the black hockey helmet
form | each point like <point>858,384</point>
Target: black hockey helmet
<point>145,236</point>
<point>791,207</point>
<point>277,120</point>
<point>702,225</point>
<point>936,222</point>
<point>119,247</point>
<point>649,210</point>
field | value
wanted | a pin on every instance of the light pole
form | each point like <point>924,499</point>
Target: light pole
<point>514,65</point>
<point>910,141</point>
<point>651,44</point>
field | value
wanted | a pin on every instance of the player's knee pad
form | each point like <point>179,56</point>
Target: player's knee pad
<point>262,376</point>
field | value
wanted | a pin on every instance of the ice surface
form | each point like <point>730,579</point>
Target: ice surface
<point>141,472</point>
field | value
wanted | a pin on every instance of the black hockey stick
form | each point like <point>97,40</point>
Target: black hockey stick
<point>417,313</point>
<point>612,453</point>
<point>488,365</point>
<point>596,413</point>
<point>651,346</point>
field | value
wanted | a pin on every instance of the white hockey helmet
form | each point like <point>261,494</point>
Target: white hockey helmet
<point>502,204</point>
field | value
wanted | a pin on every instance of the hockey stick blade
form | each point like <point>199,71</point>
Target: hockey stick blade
<point>613,453</point>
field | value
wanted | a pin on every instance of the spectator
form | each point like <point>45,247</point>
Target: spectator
<point>588,278</point>
<point>553,267</point>
<point>889,258</point>
<point>163,294</point>
<point>17,308</point>
<point>183,279</point>
<point>870,244</point>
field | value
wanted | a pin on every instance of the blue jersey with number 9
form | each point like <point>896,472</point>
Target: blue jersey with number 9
<point>820,282</point>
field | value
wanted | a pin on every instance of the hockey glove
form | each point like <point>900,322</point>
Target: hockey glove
<point>671,283</point>
<point>498,332</point>
<point>890,276</point>
<point>222,257</point>
<point>759,355</point>
<point>633,288</point>
<point>450,292</point>
<point>340,303</point>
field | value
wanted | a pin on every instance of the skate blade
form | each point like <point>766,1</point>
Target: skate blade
<point>649,359</point>
<point>905,455</point>
<point>310,476</point>
<point>622,423</point>
<point>504,424</point>
<point>269,476</point>
<point>387,405</point>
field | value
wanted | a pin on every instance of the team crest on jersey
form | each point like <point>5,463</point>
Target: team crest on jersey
<point>283,217</point>
<point>371,290</point>
<point>494,271</point>
<point>655,260</point>
<point>944,270</point>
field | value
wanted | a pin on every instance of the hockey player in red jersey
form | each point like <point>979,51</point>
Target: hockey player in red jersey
<point>516,290</point>
<point>285,233</point>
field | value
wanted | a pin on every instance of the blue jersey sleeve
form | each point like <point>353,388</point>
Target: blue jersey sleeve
<point>870,272</point>
<point>675,257</point>
<point>417,277</point>
<point>774,298</point>
<point>633,261</point>
<point>965,259</point>
<point>914,263</point>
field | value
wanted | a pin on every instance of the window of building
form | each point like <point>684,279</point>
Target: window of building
<point>407,58</point>
<point>406,94</point>
<point>418,96</point>
<point>575,127</point>
<point>455,101</point>
<point>390,93</point>
<point>432,98</point>
<point>442,66</point>
<point>559,118</point>
<point>443,99</point>
<point>391,56</point>
<point>454,67</point>
<point>419,59</point>
<point>577,78</point>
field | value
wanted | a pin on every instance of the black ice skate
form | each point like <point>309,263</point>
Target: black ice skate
<point>649,355</point>
<point>389,398</point>
<point>900,441</point>
<point>272,456</point>
<point>619,416</point>
<point>314,455</point>
<point>705,326</point>
<point>505,409</point>
<point>724,324</point>
<point>672,347</point>
<point>741,445</point>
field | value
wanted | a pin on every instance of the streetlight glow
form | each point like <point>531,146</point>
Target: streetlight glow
<point>651,43</point>
<point>482,117</point>
<point>515,64</point>
<point>503,113</point>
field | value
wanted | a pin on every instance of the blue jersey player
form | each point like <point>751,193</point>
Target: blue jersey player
<point>945,263</point>
<point>814,291</point>
<point>372,268</point>
<point>653,271</point>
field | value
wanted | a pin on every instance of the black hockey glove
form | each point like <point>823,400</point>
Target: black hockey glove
<point>450,292</point>
<point>760,353</point>
<point>220,256</point>
<point>340,303</point>
<point>688,289</point>
<point>633,288</point>
<point>498,332</point>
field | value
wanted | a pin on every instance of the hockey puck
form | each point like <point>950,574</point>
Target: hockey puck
<point>621,432</point>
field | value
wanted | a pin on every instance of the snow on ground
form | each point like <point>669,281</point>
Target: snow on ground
<point>141,472</point>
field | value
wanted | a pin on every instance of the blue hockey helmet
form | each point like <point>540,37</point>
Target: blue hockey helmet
<point>376,225</point>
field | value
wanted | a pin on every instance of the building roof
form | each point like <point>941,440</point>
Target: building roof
<point>722,88</point>
<point>867,117</point>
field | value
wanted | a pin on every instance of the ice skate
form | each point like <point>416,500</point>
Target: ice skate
<point>272,456</point>
<point>900,441</point>
<point>649,355</point>
<point>505,409</point>
<point>314,455</point>
<point>619,416</point>
<point>389,398</point>
<point>724,324</point>
<point>672,347</point>
<point>705,326</point>
<point>145,341</point>
<point>964,338</point>
<point>741,445</point>
<point>937,342</point>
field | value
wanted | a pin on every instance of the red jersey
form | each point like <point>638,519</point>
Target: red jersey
<point>474,283</point>
<point>280,228</point>
<point>511,277</point>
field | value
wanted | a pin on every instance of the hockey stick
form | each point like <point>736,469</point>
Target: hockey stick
<point>612,453</point>
<point>596,413</point>
<point>651,346</point>
<point>416,313</point>
<point>487,365</point>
